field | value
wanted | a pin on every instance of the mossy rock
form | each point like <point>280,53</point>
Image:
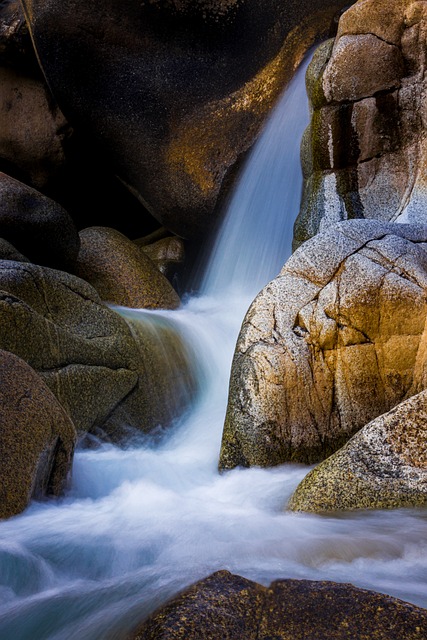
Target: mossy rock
<point>384,466</point>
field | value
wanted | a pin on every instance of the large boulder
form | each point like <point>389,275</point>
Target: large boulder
<point>365,151</point>
<point>36,225</point>
<point>175,91</point>
<point>33,129</point>
<point>122,273</point>
<point>87,354</point>
<point>230,607</point>
<point>37,438</point>
<point>383,466</point>
<point>338,338</point>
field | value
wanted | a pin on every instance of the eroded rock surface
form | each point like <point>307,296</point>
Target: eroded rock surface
<point>230,607</point>
<point>37,438</point>
<point>338,338</point>
<point>175,92</point>
<point>365,151</point>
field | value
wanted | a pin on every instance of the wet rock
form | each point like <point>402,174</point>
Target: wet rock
<point>230,607</point>
<point>36,225</point>
<point>335,340</point>
<point>364,153</point>
<point>122,273</point>
<point>37,438</point>
<point>384,466</point>
<point>86,353</point>
<point>176,92</point>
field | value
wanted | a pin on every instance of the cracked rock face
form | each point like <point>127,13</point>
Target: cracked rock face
<point>106,375</point>
<point>337,339</point>
<point>383,466</point>
<point>174,92</point>
<point>365,150</point>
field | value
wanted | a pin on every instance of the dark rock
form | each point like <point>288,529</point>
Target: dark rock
<point>37,438</point>
<point>230,607</point>
<point>175,92</point>
<point>37,226</point>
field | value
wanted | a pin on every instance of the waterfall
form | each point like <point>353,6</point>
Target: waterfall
<point>140,524</point>
<point>255,238</point>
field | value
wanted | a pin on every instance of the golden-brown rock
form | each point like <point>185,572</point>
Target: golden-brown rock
<point>338,338</point>
<point>122,273</point>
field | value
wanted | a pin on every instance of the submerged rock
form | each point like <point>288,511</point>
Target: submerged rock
<point>37,438</point>
<point>36,225</point>
<point>338,338</point>
<point>384,466</point>
<point>122,273</point>
<point>365,151</point>
<point>230,607</point>
<point>175,92</point>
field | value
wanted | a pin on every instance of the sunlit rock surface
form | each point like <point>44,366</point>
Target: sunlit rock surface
<point>338,338</point>
<point>174,92</point>
<point>364,153</point>
<point>122,273</point>
<point>37,438</point>
<point>230,607</point>
<point>383,466</point>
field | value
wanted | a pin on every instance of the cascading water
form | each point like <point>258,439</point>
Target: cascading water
<point>141,524</point>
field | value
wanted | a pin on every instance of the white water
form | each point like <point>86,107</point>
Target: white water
<point>140,524</point>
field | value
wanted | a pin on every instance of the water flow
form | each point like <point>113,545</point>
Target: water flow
<point>141,524</point>
<point>255,238</point>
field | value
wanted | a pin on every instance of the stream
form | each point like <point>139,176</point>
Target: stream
<point>141,523</point>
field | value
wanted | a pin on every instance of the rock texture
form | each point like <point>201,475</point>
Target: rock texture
<point>37,438</point>
<point>175,92</point>
<point>122,273</point>
<point>168,254</point>
<point>364,153</point>
<point>338,338</point>
<point>86,353</point>
<point>230,607</point>
<point>383,466</point>
<point>33,129</point>
<point>36,225</point>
